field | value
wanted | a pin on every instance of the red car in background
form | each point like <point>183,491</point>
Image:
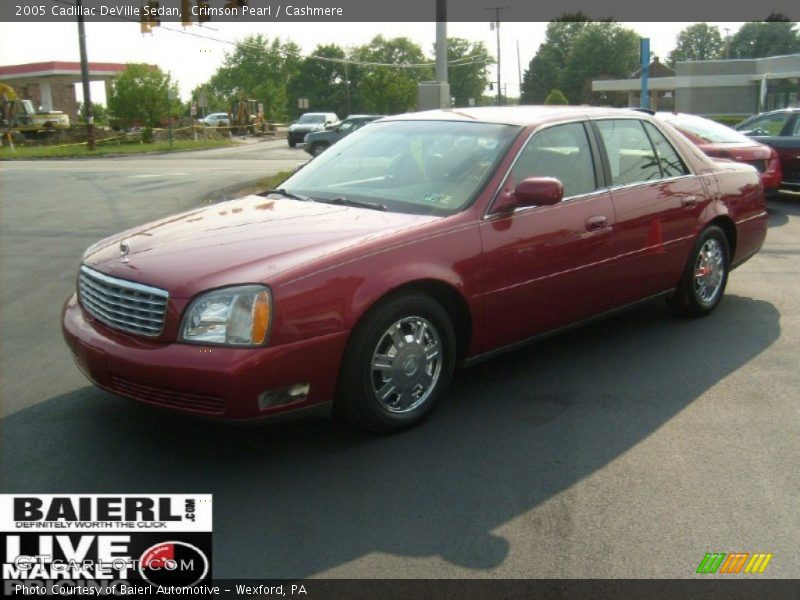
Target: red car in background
<point>720,141</point>
<point>416,244</point>
<point>779,129</point>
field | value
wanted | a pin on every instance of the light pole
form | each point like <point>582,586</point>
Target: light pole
<point>497,10</point>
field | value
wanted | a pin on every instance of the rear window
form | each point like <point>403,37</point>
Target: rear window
<point>707,130</point>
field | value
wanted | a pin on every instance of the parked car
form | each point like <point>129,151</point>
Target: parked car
<point>779,129</point>
<point>318,141</point>
<point>219,119</point>
<point>307,123</point>
<point>720,141</point>
<point>425,241</point>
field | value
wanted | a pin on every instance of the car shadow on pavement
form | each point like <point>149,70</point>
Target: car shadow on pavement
<point>294,499</point>
<point>781,208</point>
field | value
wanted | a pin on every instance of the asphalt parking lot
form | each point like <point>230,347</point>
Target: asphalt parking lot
<point>628,448</point>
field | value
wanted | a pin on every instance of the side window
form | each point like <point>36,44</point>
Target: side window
<point>771,125</point>
<point>796,131</point>
<point>630,154</point>
<point>671,163</point>
<point>562,152</point>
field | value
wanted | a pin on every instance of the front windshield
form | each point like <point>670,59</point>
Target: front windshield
<point>309,118</point>
<point>422,167</point>
<point>707,130</point>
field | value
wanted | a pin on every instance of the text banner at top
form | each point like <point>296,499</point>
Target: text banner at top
<point>264,11</point>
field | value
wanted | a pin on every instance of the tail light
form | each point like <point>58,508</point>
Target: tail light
<point>774,163</point>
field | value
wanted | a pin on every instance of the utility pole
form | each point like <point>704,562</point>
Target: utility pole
<point>496,23</point>
<point>519,72</point>
<point>441,41</point>
<point>87,96</point>
<point>347,84</point>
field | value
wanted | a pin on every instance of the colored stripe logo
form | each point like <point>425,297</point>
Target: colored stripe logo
<point>734,562</point>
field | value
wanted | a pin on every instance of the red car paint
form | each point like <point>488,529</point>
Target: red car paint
<point>326,265</point>
<point>765,159</point>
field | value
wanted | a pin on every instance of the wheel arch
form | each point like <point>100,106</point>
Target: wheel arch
<point>446,294</point>
<point>728,227</point>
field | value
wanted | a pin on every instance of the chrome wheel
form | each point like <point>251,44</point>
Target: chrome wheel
<point>709,271</point>
<point>406,364</point>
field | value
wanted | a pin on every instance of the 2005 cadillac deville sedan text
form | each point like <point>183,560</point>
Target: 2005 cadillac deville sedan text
<point>418,243</point>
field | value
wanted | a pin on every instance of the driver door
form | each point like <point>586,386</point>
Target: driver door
<point>545,266</point>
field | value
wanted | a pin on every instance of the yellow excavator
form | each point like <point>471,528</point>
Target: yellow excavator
<point>244,115</point>
<point>19,115</point>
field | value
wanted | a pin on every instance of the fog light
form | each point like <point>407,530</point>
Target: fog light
<point>288,395</point>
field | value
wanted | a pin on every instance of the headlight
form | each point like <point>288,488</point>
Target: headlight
<point>235,316</point>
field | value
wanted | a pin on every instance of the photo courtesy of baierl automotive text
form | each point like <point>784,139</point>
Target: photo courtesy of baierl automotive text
<point>435,299</point>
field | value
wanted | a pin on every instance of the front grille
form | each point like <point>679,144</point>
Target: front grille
<point>760,165</point>
<point>122,304</point>
<point>208,405</point>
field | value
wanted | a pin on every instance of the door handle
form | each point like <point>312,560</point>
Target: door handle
<point>596,223</point>
<point>688,201</point>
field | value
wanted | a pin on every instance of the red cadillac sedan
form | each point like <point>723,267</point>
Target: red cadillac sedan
<point>419,243</point>
<point>719,141</point>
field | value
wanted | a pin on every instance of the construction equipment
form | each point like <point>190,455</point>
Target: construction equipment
<point>19,115</point>
<point>244,115</point>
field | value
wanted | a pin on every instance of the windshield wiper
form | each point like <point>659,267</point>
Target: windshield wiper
<point>287,194</point>
<point>359,203</point>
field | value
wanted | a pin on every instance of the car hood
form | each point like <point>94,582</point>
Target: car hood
<point>306,127</point>
<point>249,240</point>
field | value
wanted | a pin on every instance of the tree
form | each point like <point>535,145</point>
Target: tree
<point>773,37</point>
<point>391,90</point>
<point>697,42</point>
<point>99,112</point>
<point>263,69</point>
<point>556,97</point>
<point>602,49</point>
<point>140,94</point>
<point>213,102</point>
<point>322,81</point>
<point>544,69</point>
<point>469,79</point>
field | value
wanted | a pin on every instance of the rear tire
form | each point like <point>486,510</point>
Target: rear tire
<point>398,362</point>
<point>705,276</point>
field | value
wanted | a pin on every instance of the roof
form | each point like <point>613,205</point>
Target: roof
<point>55,67</point>
<point>512,115</point>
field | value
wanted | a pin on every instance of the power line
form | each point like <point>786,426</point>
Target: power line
<point>461,62</point>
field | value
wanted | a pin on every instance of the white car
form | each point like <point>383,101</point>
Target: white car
<point>216,120</point>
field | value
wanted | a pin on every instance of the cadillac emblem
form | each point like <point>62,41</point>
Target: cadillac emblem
<point>124,250</point>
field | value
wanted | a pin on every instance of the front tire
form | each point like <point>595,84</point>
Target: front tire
<point>292,143</point>
<point>705,276</point>
<point>399,360</point>
<point>318,149</point>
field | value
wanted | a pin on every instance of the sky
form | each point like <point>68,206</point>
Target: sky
<point>192,55</point>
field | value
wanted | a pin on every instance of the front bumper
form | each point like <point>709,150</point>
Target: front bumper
<point>213,381</point>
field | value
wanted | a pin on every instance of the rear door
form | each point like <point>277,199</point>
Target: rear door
<point>657,202</point>
<point>544,266</point>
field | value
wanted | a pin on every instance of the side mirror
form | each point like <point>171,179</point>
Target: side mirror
<point>330,126</point>
<point>538,191</point>
<point>533,191</point>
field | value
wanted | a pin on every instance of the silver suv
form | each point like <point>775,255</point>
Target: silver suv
<point>307,123</point>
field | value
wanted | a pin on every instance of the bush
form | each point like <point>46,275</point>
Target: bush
<point>556,97</point>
